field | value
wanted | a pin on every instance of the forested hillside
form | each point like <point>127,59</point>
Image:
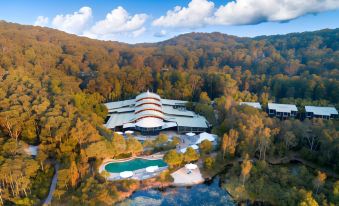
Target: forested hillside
<point>291,66</point>
<point>52,85</point>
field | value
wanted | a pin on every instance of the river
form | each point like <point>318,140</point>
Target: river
<point>209,193</point>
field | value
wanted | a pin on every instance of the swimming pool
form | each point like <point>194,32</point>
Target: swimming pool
<point>132,165</point>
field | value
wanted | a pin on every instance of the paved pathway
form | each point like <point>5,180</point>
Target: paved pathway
<point>53,185</point>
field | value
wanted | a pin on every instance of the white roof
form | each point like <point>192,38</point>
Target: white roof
<point>118,119</point>
<point>150,122</point>
<point>147,113</point>
<point>149,101</point>
<point>119,104</point>
<point>124,113</point>
<point>147,94</point>
<point>180,112</point>
<point>252,104</point>
<point>282,107</point>
<point>196,121</point>
<point>169,125</point>
<point>173,102</point>
<point>203,136</point>
<point>190,134</point>
<point>121,109</point>
<point>325,111</point>
<point>132,102</point>
<point>148,106</point>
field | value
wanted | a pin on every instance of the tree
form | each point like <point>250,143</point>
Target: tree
<point>319,180</point>
<point>190,155</point>
<point>205,146</point>
<point>119,144</point>
<point>204,98</point>
<point>172,158</point>
<point>105,174</point>
<point>133,146</point>
<point>208,163</point>
<point>263,142</point>
<point>161,139</point>
<point>74,174</point>
<point>229,142</point>
<point>307,199</point>
<point>246,167</point>
<point>290,140</point>
<point>175,141</point>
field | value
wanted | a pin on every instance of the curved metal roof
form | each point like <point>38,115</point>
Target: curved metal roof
<point>149,113</point>
<point>148,107</point>
<point>146,95</point>
<point>150,122</point>
<point>148,101</point>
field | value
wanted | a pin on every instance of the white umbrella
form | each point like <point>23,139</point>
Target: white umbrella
<point>129,132</point>
<point>190,134</point>
<point>119,132</point>
<point>126,174</point>
<point>191,166</point>
<point>194,146</point>
<point>151,169</point>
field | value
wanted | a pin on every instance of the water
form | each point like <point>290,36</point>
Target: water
<point>132,165</point>
<point>203,194</point>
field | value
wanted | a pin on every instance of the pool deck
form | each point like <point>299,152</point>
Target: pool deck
<point>181,178</point>
<point>138,174</point>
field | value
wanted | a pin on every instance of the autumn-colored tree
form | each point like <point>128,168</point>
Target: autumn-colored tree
<point>74,174</point>
<point>191,155</point>
<point>229,142</point>
<point>205,146</point>
<point>319,180</point>
<point>246,167</point>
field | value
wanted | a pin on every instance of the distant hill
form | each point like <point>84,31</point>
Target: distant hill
<point>93,62</point>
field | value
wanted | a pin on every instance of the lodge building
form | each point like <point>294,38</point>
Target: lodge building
<point>282,110</point>
<point>321,112</point>
<point>149,114</point>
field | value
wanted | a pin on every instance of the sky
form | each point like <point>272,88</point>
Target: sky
<point>136,21</point>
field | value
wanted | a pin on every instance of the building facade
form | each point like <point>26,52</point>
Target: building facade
<point>321,112</point>
<point>149,114</point>
<point>282,111</point>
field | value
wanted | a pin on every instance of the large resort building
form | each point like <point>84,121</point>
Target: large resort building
<point>149,114</point>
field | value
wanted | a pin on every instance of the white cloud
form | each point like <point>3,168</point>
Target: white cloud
<point>256,11</point>
<point>161,33</point>
<point>119,21</point>
<point>41,21</point>
<point>138,32</point>
<point>192,16</point>
<point>200,13</point>
<point>73,23</point>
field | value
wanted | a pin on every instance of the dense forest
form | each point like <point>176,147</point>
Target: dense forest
<point>53,84</point>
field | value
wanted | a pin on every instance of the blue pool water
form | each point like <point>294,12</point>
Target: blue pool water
<point>132,165</point>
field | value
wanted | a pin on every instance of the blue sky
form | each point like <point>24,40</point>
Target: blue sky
<point>136,21</point>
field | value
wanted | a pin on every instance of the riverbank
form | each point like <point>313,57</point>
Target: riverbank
<point>152,183</point>
<point>207,193</point>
